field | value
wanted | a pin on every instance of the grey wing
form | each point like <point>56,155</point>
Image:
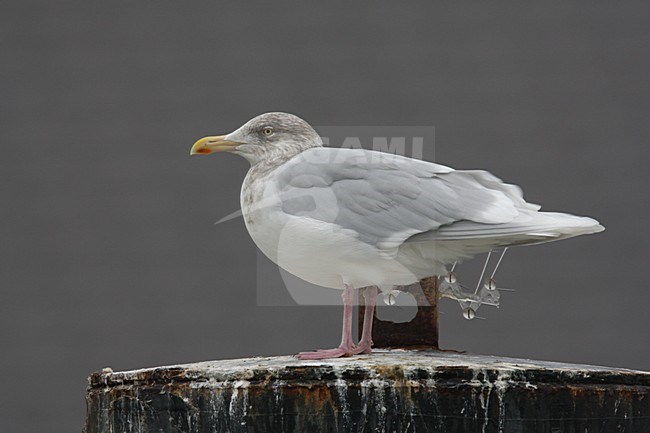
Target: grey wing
<point>384,199</point>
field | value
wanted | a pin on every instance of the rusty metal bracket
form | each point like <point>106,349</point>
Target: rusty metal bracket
<point>421,332</point>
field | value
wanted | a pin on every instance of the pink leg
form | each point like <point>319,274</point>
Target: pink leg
<point>370,298</point>
<point>346,348</point>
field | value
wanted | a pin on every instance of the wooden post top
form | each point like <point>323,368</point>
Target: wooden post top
<point>389,390</point>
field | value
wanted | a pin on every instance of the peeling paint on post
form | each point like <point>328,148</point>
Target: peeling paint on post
<point>388,391</point>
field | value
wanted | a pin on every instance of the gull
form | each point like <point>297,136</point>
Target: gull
<point>358,219</point>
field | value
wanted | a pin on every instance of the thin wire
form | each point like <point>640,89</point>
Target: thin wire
<point>453,267</point>
<point>483,272</point>
<point>503,253</point>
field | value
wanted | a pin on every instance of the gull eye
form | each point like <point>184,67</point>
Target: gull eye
<point>267,131</point>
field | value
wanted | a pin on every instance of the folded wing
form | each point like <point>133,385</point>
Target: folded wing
<point>386,200</point>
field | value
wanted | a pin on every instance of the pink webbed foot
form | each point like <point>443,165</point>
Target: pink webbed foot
<point>339,352</point>
<point>347,347</point>
<point>363,348</point>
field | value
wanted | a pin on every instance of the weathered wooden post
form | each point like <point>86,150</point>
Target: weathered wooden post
<point>399,390</point>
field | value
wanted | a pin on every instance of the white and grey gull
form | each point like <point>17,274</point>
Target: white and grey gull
<point>359,219</point>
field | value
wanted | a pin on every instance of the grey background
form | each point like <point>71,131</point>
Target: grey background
<point>109,255</point>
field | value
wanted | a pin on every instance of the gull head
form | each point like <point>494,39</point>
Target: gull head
<point>265,137</point>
